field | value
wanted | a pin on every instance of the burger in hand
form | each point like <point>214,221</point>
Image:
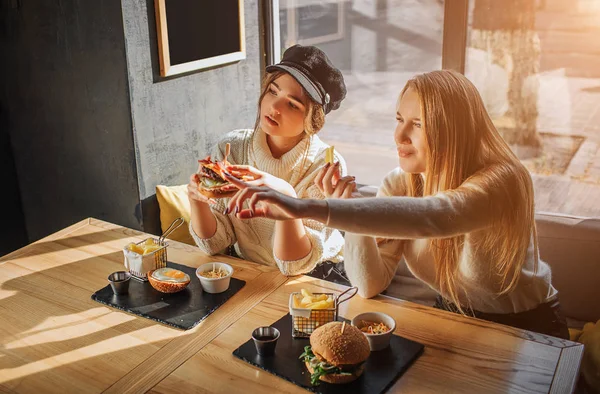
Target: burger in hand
<point>336,354</point>
<point>211,182</point>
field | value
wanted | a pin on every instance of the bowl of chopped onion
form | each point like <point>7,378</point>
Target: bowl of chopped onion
<point>377,327</point>
<point>214,277</point>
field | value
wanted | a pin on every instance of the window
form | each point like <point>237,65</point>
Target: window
<point>536,64</point>
<point>537,67</point>
<point>378,45</point>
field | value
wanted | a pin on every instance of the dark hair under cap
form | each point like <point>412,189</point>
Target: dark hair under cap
<point>313,70</point>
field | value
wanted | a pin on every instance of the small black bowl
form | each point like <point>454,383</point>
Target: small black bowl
<point>265,340</point>
<point>119,281</point>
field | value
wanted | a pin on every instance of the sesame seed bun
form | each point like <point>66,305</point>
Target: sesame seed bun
<point>340,349</point>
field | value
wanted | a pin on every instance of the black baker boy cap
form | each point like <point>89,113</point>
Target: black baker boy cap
<point>313,70</point>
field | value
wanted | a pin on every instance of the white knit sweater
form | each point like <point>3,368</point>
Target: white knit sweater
<point>254,237</point>
<point>410,221</point>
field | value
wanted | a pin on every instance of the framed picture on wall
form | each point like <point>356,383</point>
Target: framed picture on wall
<point>198,34</point>
<point>311,22</point>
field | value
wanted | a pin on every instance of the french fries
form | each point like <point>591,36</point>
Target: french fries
<point>147,247</point>
<point>329,155</point>
<point>310,311</point>
<point>307,300</point>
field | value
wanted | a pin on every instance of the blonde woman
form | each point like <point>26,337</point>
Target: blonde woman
<point>283,153</point>
<point>460,210</point>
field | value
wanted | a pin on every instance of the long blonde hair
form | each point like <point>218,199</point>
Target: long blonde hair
<point>464,145</point>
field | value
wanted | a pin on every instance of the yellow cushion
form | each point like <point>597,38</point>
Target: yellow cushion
<point>173,203</point>
<point>590,364</point>
<point>574,333</point>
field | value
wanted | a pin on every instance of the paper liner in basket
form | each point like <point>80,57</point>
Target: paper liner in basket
<point>139,265</point>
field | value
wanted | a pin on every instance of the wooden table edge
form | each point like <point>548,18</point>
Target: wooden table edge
<point>52,237</point>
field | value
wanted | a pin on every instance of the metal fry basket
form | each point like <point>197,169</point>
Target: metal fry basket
<point>140,264</point>
<point>305,320</point>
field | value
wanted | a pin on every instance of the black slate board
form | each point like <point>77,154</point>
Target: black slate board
<point>182,310</point>
<point>382,368</point>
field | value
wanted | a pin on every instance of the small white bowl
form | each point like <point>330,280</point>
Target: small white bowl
<point>215,285</point>
<point>376,341</point>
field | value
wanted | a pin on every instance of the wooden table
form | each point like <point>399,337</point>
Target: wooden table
<point>462,355</point>
<point>56,339</point>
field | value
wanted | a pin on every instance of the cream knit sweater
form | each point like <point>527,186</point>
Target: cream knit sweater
<point>254,237</point>
<point>410,222</point>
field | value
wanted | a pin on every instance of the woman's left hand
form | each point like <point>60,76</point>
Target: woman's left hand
<point>330,183</point>
<point>261,178</point>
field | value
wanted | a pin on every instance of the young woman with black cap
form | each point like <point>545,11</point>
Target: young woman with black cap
<point>283,153</point>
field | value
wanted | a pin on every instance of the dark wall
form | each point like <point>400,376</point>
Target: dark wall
<point>67,99</point>
<point>13,234</point>
<point>93,126</point>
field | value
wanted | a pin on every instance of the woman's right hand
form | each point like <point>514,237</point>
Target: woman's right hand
<point>194,195</point>
<point>330,183</point>
<point>266,202</point>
